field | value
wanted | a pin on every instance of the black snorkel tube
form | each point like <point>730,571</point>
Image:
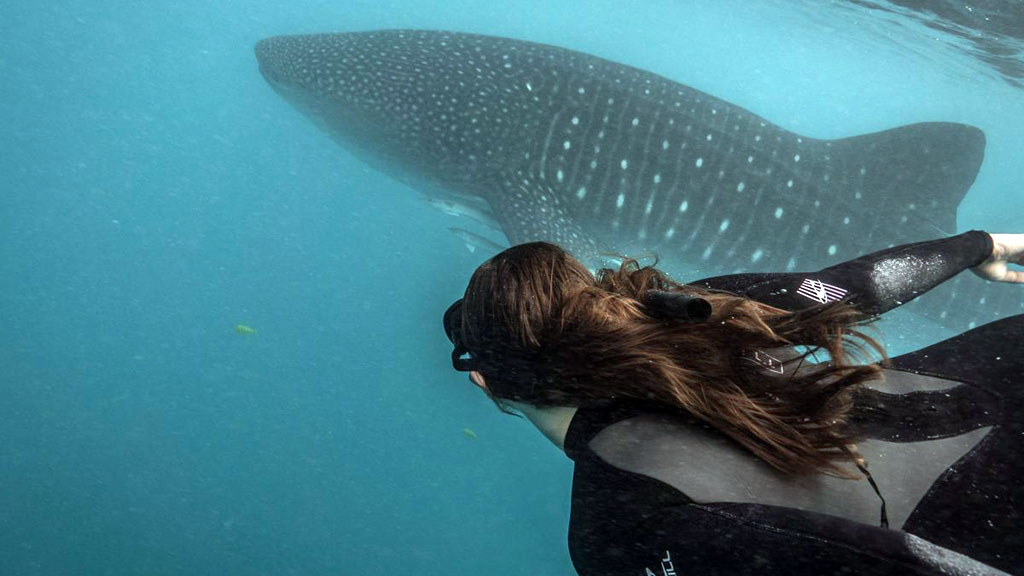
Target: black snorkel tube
<point>676,306</point>
<point>673,306</point>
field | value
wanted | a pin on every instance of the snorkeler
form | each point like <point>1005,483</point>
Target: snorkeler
<point>747,424</point>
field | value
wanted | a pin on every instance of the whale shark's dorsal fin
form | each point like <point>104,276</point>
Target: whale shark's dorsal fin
<point>919,172</point>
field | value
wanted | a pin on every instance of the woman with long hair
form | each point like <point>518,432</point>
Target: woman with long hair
<point>750,424</point>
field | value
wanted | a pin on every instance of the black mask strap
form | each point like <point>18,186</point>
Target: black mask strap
<point>461,364</point>
<point>453,329</point>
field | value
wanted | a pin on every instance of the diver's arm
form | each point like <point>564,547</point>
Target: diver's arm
<point>874,283</point>
<point>1007,249</point>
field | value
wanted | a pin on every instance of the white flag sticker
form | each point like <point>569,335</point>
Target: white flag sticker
<point>819,291</point>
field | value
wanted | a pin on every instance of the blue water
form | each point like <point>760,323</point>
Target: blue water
<point>156,193</point>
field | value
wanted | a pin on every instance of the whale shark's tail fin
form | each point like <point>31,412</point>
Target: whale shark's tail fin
<point>912,178</point>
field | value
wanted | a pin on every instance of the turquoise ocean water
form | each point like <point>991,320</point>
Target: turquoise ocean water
<point>156,193</point>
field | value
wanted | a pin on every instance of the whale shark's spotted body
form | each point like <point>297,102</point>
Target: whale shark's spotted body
<point>561,146</point>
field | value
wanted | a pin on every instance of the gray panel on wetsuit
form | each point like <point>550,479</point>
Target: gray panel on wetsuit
<point>709,467</point>
<point>948,562</point>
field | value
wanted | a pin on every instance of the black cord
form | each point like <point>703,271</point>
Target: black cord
<point>885,517</point>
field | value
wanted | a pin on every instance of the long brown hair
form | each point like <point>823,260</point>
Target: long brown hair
<point>546,332</point>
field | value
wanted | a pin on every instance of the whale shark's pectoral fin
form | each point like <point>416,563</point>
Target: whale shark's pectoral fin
<point>529,211</point>
<point>462,207</point>
<point>472,240</point>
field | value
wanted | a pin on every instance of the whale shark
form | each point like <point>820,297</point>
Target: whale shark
<point>598,157</point>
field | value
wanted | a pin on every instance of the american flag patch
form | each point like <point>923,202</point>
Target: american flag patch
<point>819,291</point>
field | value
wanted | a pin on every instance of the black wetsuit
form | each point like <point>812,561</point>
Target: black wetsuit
<point>634,515</point>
